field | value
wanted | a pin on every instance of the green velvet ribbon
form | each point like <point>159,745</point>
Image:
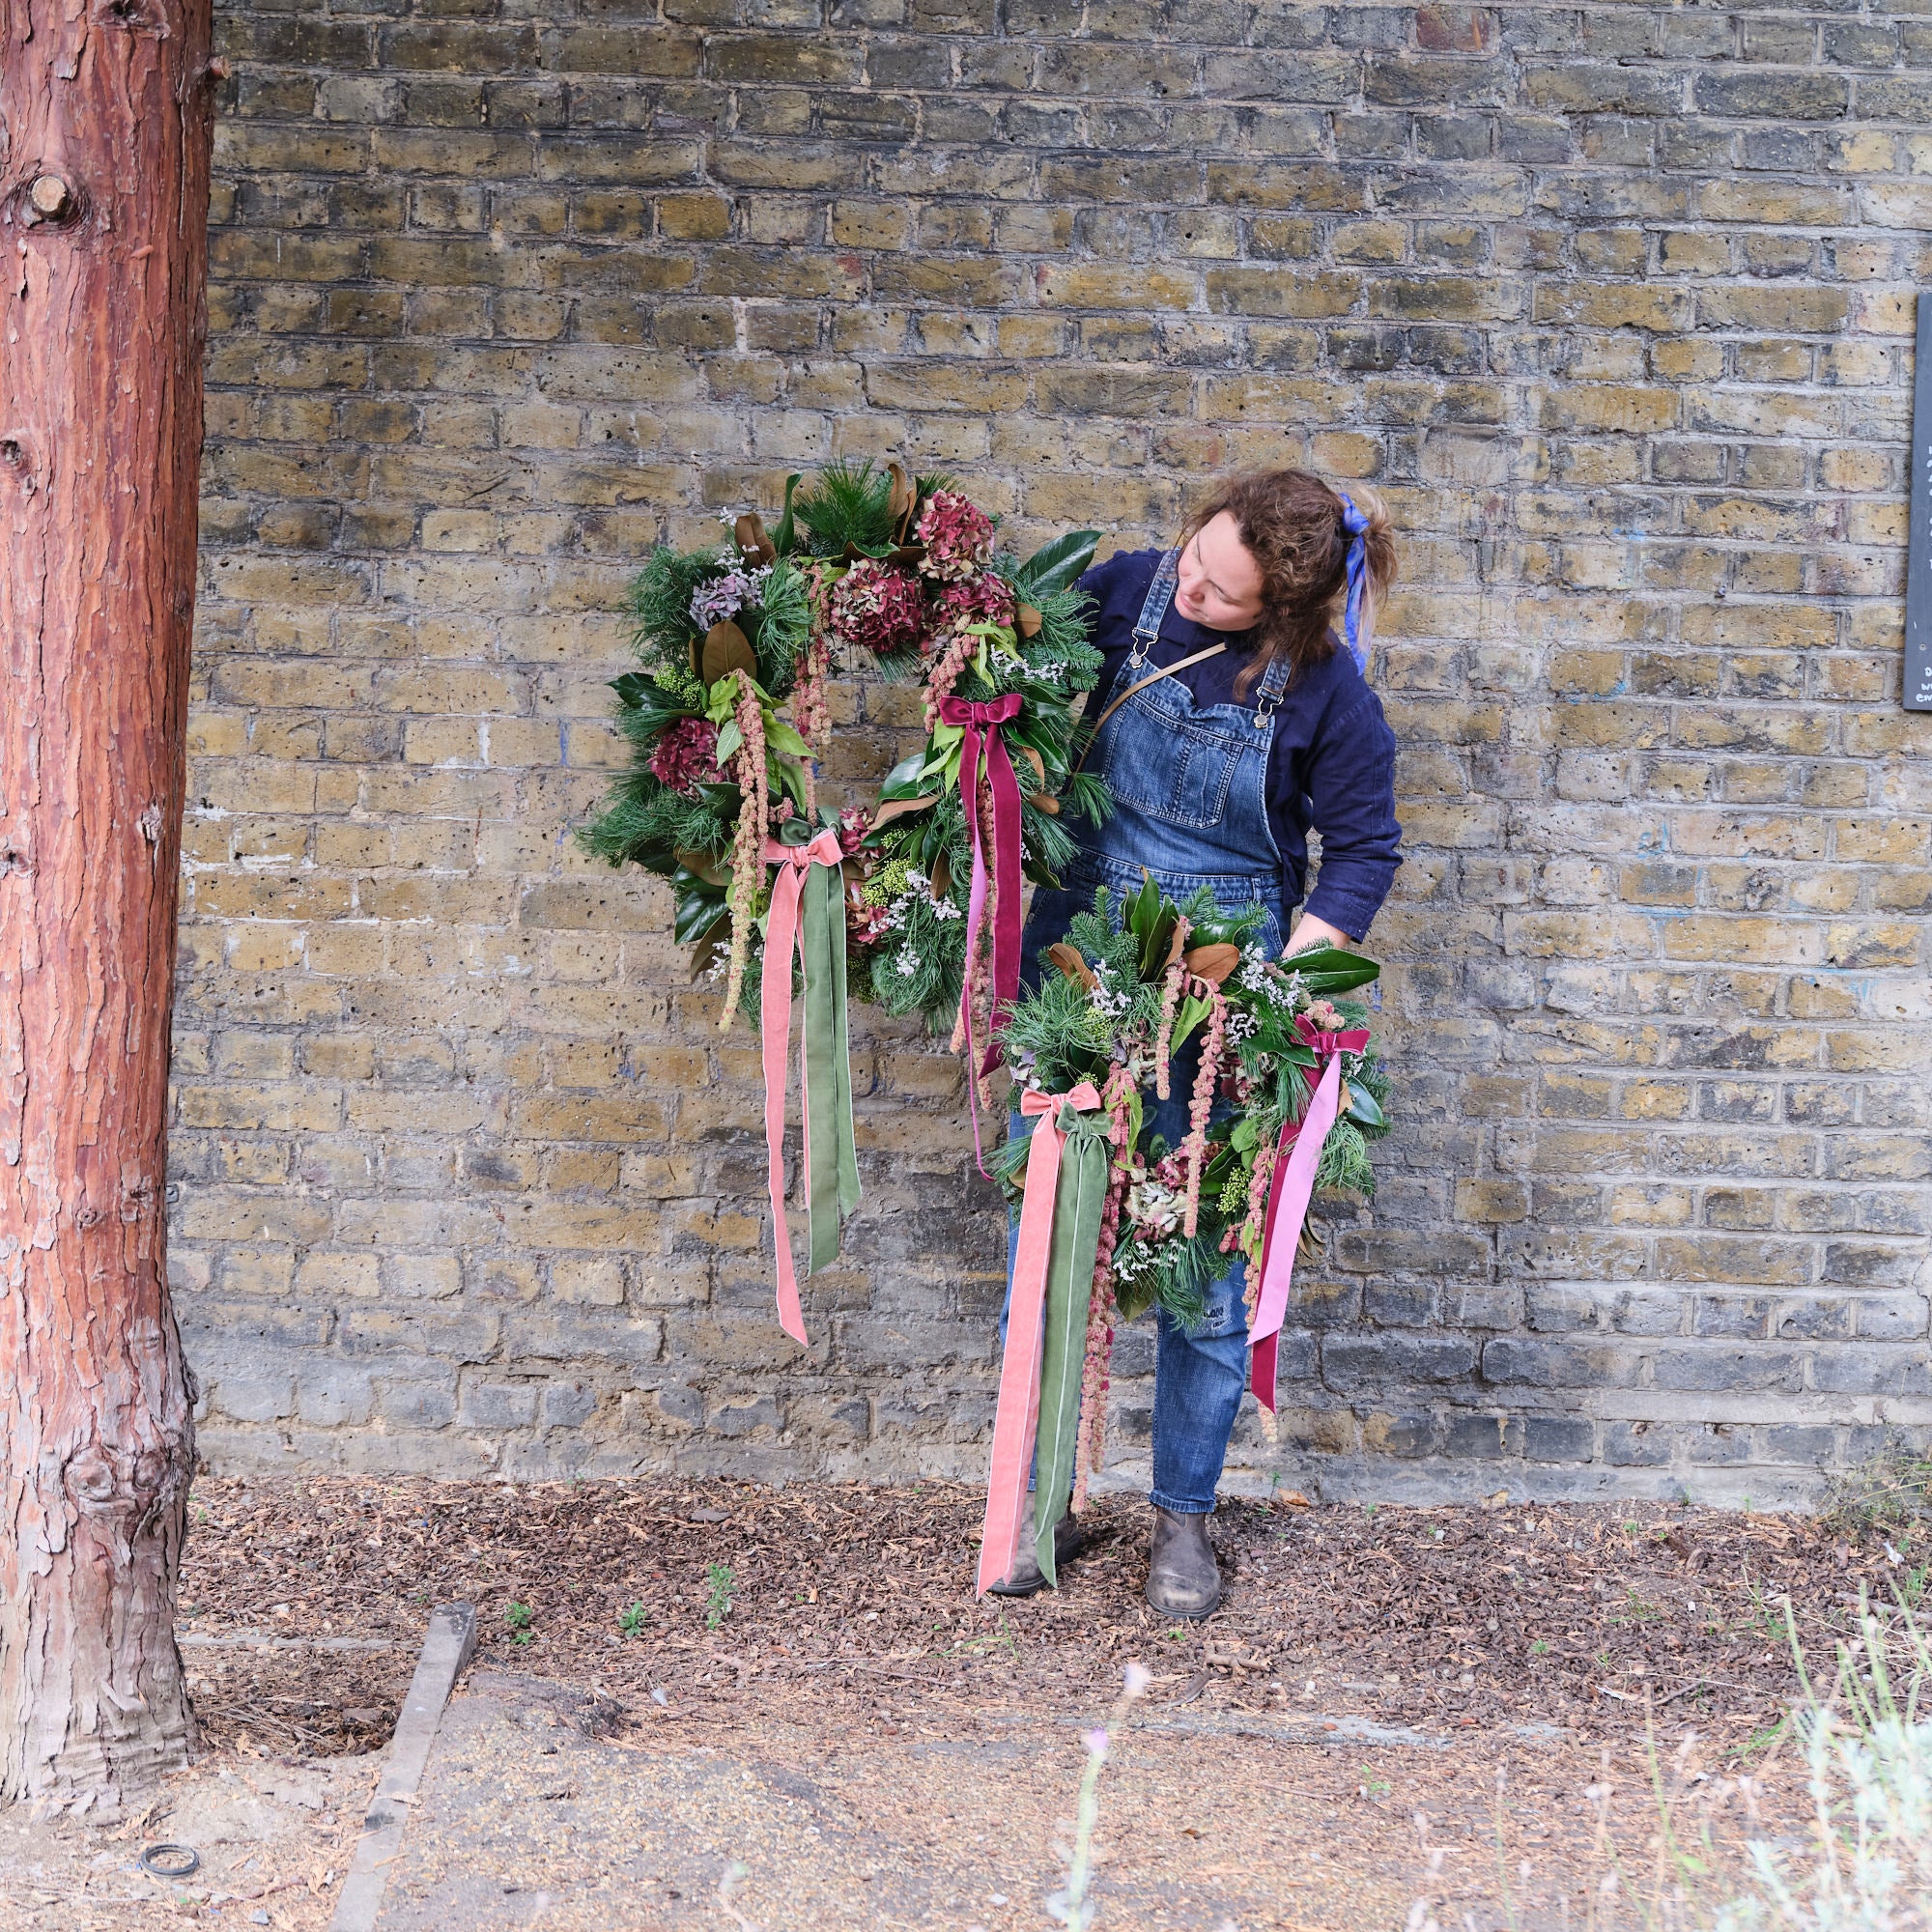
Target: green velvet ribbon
<point>833,1152</point>
<point>1077,1211</point>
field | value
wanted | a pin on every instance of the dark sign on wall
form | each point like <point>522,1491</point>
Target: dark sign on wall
<point>1919,555</point>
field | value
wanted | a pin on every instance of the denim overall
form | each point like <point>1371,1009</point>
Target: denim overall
<point>1189,785</point>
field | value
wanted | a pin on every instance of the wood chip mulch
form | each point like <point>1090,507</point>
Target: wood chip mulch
<point>739,1603</point>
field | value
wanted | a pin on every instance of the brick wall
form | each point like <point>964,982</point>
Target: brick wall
<point>1612,302</point>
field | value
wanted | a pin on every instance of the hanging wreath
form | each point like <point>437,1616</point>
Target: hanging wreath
<point>1141,1222</point>
<point>720,796</point>
<point>911,577</point>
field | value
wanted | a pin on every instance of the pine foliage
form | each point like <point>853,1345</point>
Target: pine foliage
<point>659,606</point>
<point>846,503</point>
<point>782,627</point>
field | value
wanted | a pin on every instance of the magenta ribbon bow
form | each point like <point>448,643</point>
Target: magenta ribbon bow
<point>1297,1153</point>
<point>980,721</point>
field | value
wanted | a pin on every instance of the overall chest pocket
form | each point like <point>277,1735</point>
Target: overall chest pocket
<point>1170,768</point>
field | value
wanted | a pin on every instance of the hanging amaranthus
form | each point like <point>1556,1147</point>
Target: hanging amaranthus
<point>1194,1149</point>
<point>960,650</point>
<point>747,848</point>
<point>1170,998</point>
<point>1248,1236</point>
<point>810,708</point>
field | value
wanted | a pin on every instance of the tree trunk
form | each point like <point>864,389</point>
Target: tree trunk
<point>106,120</point>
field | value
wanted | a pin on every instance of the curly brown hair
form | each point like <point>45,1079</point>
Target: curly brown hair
<point>1290,523</point>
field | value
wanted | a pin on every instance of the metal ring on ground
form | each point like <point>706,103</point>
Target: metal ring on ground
<point>171,1861</point>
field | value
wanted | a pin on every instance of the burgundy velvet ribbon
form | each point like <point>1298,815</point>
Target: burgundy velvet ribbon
<point>981,722</point>
<point>1297,1153</point>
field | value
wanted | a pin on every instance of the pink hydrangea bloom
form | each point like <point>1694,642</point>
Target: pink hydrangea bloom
<point>957,535</point>
<point>686,756</point>
<point>877,607</point>
<point>979,599</point>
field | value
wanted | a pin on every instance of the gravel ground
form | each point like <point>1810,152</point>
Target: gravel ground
<point>845,1602</point>
<point>1471,1706</point>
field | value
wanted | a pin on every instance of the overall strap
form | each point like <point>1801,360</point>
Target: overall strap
<point>1274,684</point>
<point>1160,594</point>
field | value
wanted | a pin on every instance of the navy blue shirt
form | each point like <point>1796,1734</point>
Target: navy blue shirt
<point>1332,763</point>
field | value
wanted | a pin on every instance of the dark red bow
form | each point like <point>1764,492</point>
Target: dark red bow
<point>981,722</point>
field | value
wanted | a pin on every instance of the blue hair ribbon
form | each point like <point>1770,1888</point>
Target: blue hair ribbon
<point>1357,526</point>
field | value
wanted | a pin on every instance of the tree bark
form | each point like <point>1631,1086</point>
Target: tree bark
<point>105,122</point>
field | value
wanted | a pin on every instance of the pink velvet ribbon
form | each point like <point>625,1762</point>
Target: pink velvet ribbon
<point>782,936</point>
<point>980,721</point>
<point>1017,1416</point>
<point>1297,1153</point>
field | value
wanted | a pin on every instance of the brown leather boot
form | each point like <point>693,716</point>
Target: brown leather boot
<point>1183,1579</point>
<point>1070,1539</point>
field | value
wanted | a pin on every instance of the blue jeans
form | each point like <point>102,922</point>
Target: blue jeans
<point>1189,785</point>
<point>1200,1374</point>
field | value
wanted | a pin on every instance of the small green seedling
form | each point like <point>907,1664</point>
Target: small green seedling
<point>1540,1648</point>
<point>517,1618</point>
<point>1372,1786</point>
<point>632,1622</point>
<point>718,1576</point>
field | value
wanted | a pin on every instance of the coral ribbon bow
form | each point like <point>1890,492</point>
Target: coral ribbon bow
<point>981,722</point>
<point>809,912</point>
<point>1297,1153</point>
<point>1017,1416</point>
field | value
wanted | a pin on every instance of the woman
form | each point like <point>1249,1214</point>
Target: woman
<point>1232,720</point>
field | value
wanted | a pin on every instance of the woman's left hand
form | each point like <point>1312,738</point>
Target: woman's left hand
<point>1313,932</point>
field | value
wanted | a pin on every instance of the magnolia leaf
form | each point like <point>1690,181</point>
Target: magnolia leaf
<point>729,739</point>
<point>785,534</point>
<point>1072,964</point>
<point>1213,963</point>
<point>904,499</point>
<point>942,876</point>
<point>902,781</point>
<point>702,865</point>
<point>726,648</point>
<point>791,781</point>
<point>1037,763</point>
<point>701,909</point>
<point>891,808</point>
<point>1362,1105</point>
<point>1045,802</point>
<point>1054,565</point>
<point>1327,969</point>
<point>1244,1135</point>
<point>753,544</point>
<point>1187,1015</point>
<point>1028,620</point>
